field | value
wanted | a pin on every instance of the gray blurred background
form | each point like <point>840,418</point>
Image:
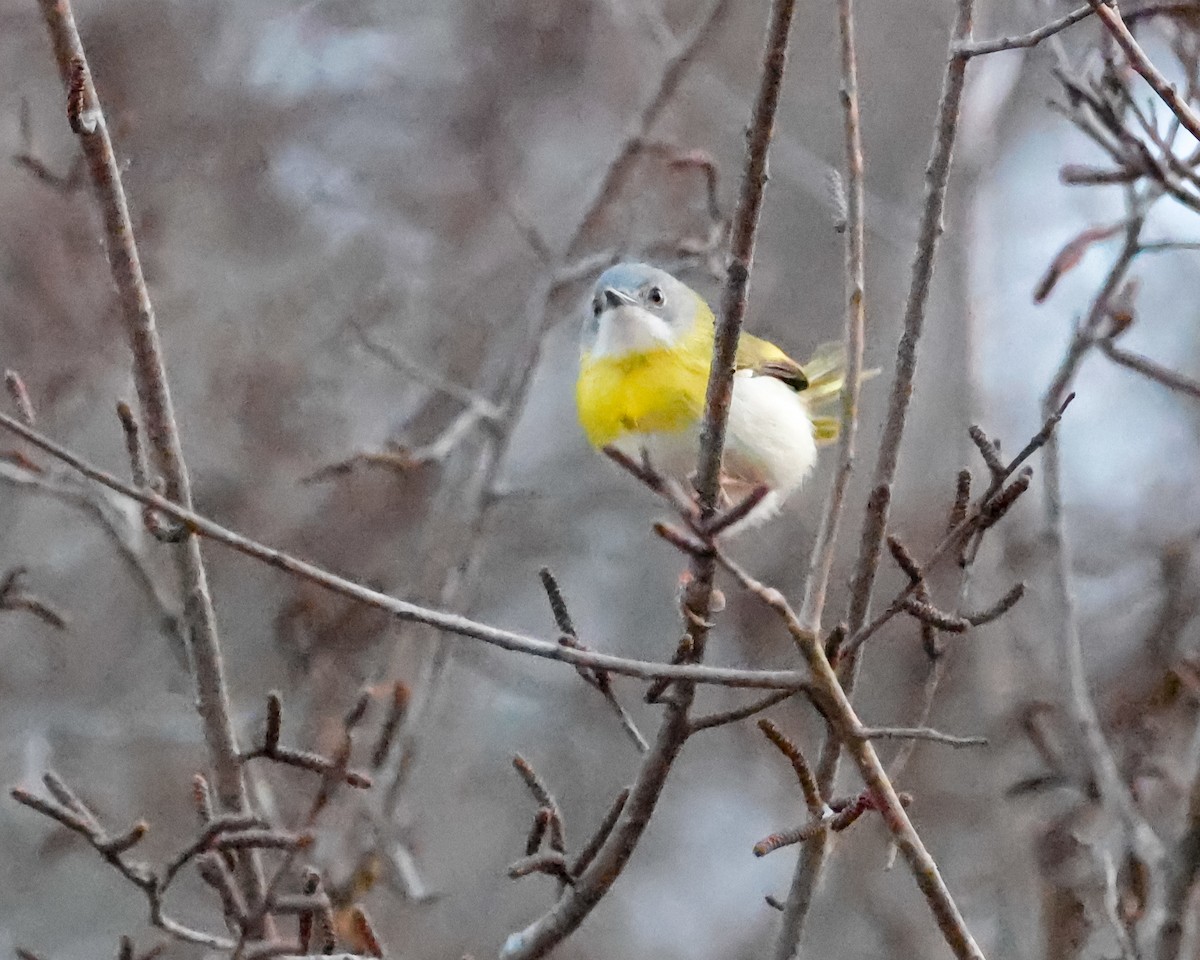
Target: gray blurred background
<point>310,179</point>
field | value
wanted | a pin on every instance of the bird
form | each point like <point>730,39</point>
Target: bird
<point>645,352</point>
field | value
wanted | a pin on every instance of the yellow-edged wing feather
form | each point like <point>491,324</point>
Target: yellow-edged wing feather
<point>819,381</point>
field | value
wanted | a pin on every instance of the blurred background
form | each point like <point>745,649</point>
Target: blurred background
<point>349,213</point>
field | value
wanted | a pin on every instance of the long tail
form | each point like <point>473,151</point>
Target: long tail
<point>826,372</point>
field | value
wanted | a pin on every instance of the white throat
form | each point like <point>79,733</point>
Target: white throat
<point>629,329</point>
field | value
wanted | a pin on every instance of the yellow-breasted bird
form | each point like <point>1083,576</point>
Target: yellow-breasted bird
<point>646,350</point>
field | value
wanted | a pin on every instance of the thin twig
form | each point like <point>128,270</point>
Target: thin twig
<point>1023,41</point>
<point>1148,368</point>
<point>14,597</point>
<point>551,863</point>
<point>846,728</point>
<point>1097,753</point>
<point>810,866</point>
<point>364,930</point>
<point>67,809</point>
<point>726,717</point>
<point>588,853</point>
<point>620,166</point>
<point>936,177</point>
<point>741,253</point>
<point>18,393</point>
<point>117,527</point>
<point>597,679</point>
<point>920,733</point>
<point>403,610</point>
<point>820,565</point>
<point>212,696</point>
<point>808,783</point>
<point>1183,870</point>
<point>424,374</point>
<point>1111,18</point>
<point>270,749</point>
<point>541,793</point>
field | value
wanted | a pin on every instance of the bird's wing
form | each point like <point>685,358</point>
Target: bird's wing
<point>767,360</point>
<point>826,371</point>
<point>819,380</point>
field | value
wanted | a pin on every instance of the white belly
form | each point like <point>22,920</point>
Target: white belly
<point>770,434</point>
<point>769,439</point>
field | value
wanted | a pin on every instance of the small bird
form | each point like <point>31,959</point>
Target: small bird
<point>645,354</point>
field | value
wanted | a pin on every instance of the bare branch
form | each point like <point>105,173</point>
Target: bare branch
<point>541,823</point>
<point>808,783</point>
<point>846,729</point>
<point>905,560</point>
<point>424,374</point>
<point>1183,870</point>
<point>19,394</point>
<point>541,793</point>
<point>403,610</point>
<point>1024,41</point>
<point>962,499</point>
<point>726,717</point>
<point>1148,368</point>
<point>738,512</point>
<point>270,749</point>
<point>14,597</point>
<point>588,853</point>
<point>1111,18</point>
<point>317,925</point>
<point>1096,751</point>
<point>213,828</point>
<point>552,864</point>
<point>598,679</point>
<point>745,228</point>
<point>811,862</point>
<point>987,450</point>
<point>401,695</point>
<point>836,816</point>
<point>777,841</point>
<point>620,166</point>
<point>67,809</point>
<point>88,121</point>
<point>920,733</point>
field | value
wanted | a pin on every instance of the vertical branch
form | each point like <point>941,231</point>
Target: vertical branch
<point>87,120</point>
<point>1114,792</point>
<point>1182,873</point>
<point>821,562</point>
<point>844,725</point>
<point>937,174</point>
<point>820,565</point>
<point>745,228</point>
<point>595,881</point>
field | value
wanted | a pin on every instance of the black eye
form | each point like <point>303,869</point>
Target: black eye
<point>655,296</point>
<point>597,307</point>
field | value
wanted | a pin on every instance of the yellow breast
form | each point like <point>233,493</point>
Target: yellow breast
<point>657,391</point>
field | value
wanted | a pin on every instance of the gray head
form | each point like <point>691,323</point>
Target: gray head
<point>636,307</point>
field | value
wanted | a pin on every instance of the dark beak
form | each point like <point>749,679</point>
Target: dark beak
<point>615,298</point>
